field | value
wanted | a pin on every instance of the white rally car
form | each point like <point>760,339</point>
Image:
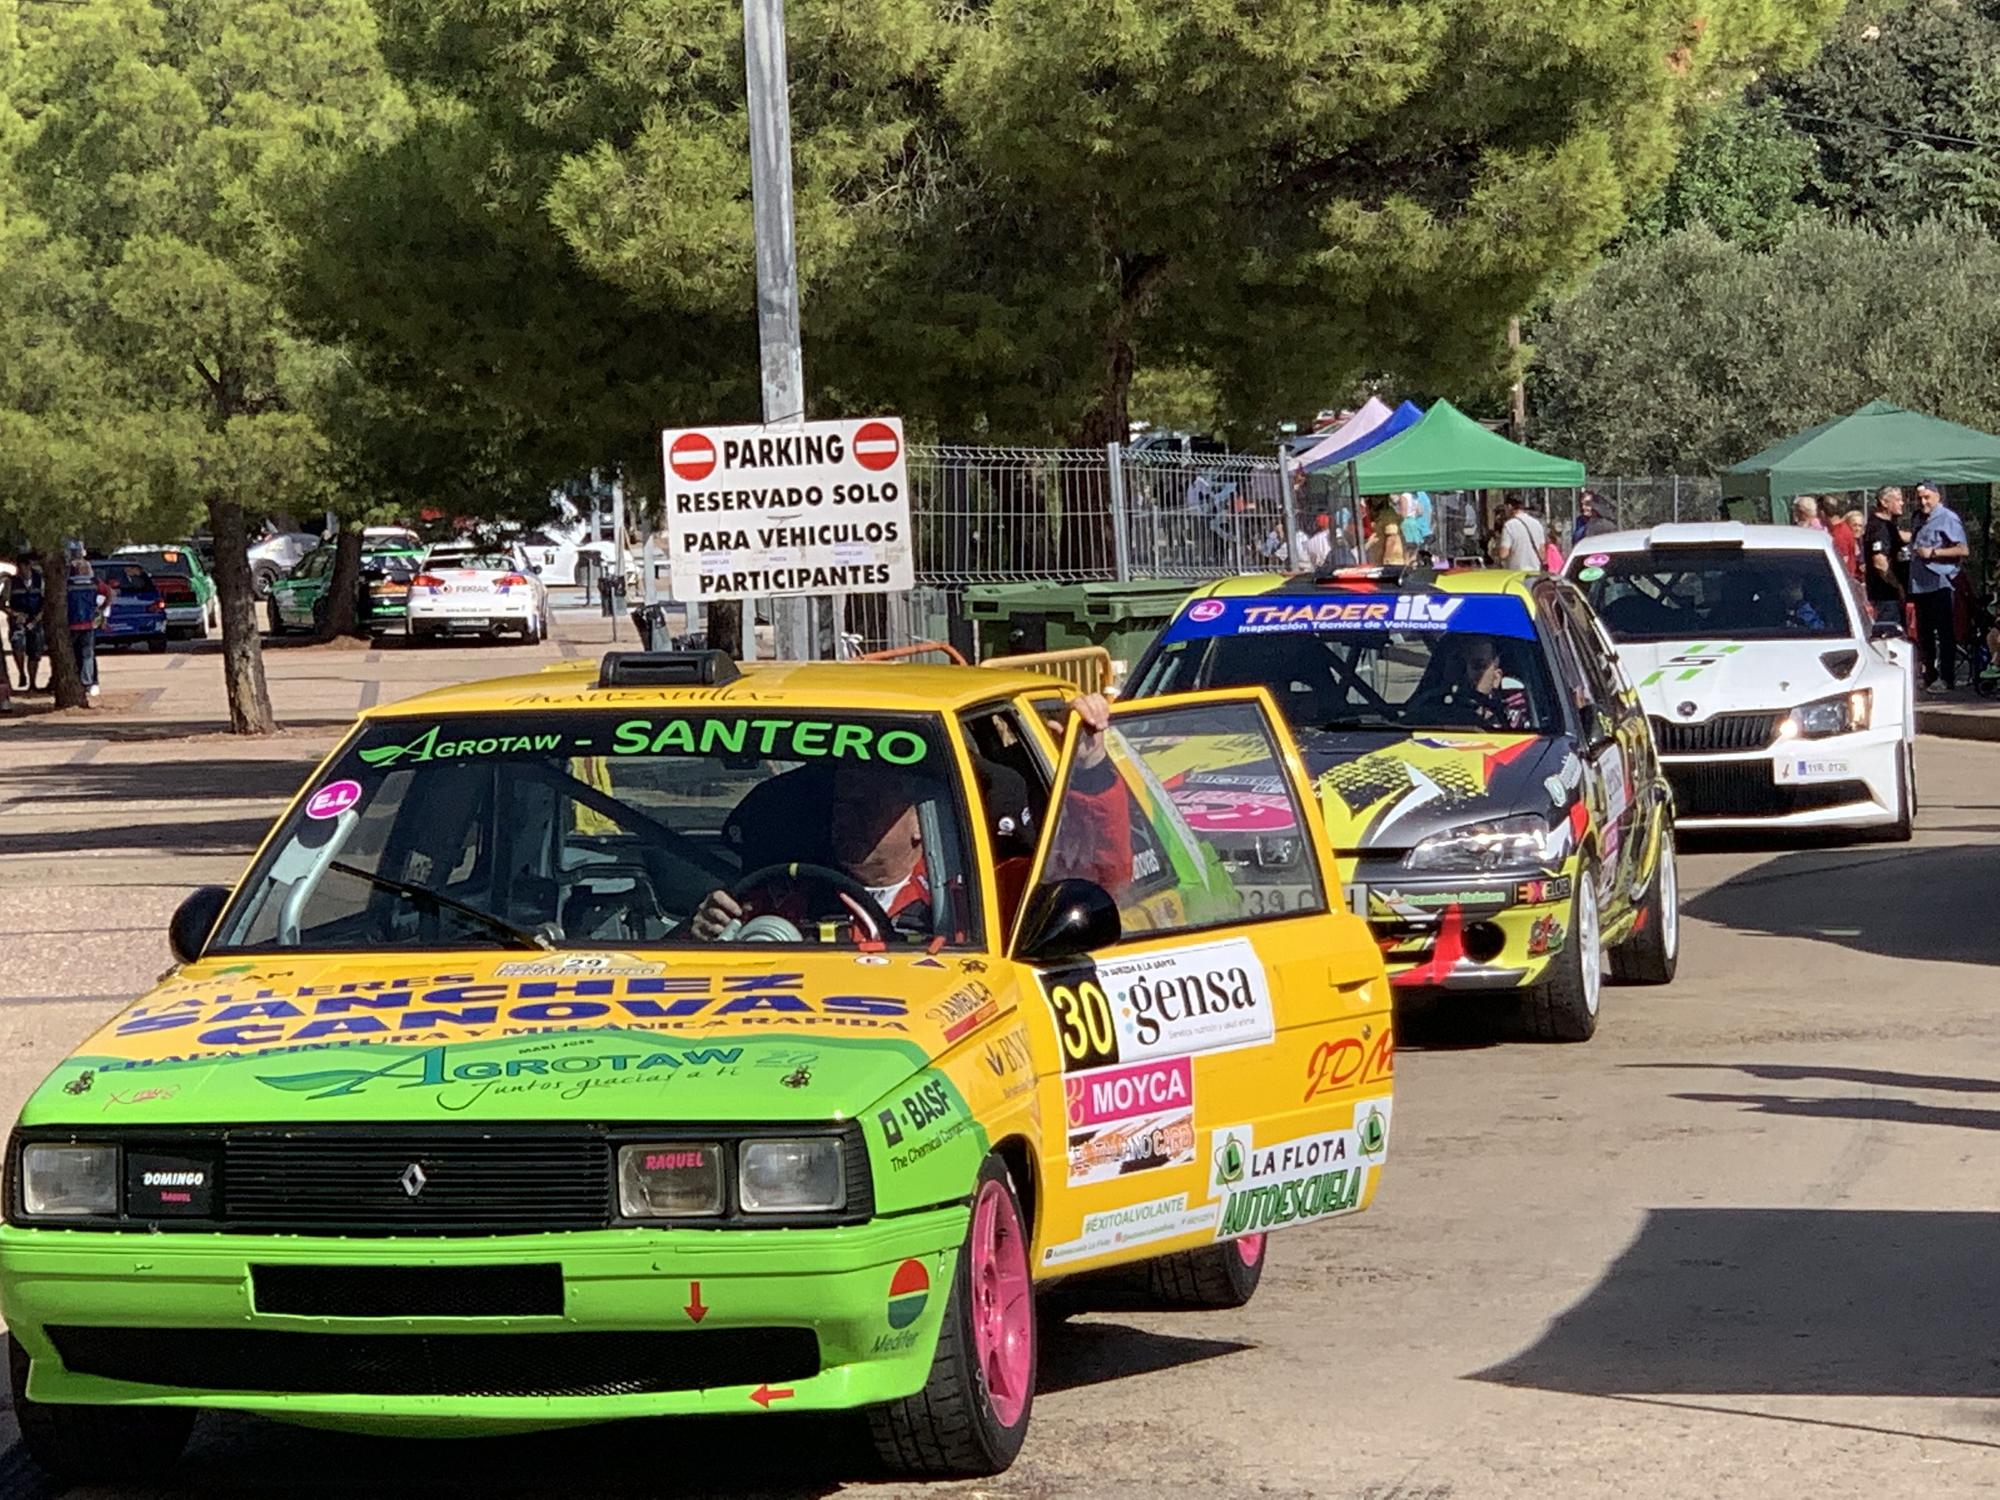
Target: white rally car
<point>1773,700</point>
<point>464,589</point>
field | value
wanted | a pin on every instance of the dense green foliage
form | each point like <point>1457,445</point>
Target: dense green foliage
<point>1687,353</point>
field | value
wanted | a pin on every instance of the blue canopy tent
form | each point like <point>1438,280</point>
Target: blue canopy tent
<point>1401,420</point>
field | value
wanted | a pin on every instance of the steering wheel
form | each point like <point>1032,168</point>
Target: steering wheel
<point>799,871</point>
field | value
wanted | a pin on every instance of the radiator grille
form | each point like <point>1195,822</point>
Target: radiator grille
<point>1724,732</point>
<point>470,1184</point>
<point>439,1364</point>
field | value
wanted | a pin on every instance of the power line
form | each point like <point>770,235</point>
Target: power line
<point>1932,136</point>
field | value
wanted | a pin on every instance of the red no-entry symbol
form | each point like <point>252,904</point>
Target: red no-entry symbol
<point>692,456</point>
<point>876,445</point>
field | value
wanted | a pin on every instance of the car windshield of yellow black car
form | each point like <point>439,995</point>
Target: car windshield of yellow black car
<point>1390,661</point>
<point>620,828</point>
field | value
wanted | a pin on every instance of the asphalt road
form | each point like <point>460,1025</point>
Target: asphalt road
<point>1743,1243</point>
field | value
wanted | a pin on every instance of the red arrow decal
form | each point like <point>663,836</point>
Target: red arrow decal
<point>694,1309</point>
<point>764,1395</point>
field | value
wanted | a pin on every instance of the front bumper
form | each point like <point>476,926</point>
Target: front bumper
<point>1846,781</point>
<point>120,1302</point>
<point>1466,933</point>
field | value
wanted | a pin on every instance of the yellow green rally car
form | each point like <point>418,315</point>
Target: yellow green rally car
<point>663,1039</point>
<point>1484,769</point>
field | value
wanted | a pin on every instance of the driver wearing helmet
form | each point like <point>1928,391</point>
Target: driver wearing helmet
<point>876,839</point>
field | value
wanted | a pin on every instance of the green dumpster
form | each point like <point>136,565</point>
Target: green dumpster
<point>1121,617</point>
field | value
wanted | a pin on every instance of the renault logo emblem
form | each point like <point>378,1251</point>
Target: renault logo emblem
<point>413,1179</point>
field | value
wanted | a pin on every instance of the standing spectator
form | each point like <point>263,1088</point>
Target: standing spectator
<point>1385,546</point>
<point>89,601</point>
<point>1317,547</point>
<point>8,573</point>
<point>1419,520</point>
<point>1882,555</point>
<point>26,607</point>
<point>1845,533</point>
<point>1595,517</point>
<point>1522,541</point>
<point>1936,550</point>
<point>1805,512</point>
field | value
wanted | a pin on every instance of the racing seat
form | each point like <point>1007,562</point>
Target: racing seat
<point>612,901</point>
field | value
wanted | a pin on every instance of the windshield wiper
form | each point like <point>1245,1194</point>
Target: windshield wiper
<point>521,937</point>
<point>1358,721</point>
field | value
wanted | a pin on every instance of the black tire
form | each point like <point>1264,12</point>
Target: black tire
<point>1209,1279</point>
<point>96,1444</point>
<point>1563,1007</point>
<point>262,576</point>
<point>949,1428</point>
<point>272,617</point>
<point>1900,831</point>
<point>1653,952</point>
<point>156,644</point>
<point>322,613</point>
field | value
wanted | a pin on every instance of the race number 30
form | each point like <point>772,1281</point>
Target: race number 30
<point>1083,1023</point>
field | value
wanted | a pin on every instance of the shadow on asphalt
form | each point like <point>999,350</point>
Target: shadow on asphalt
<point>1907,902</point>
<point>183,781</point>
<point>796,1456</point>
<point>197,835</point>
<point>1874,1078</point>
<point>1796,1302</point>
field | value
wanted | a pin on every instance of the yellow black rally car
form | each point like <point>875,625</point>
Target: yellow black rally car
<point>1485,771</point>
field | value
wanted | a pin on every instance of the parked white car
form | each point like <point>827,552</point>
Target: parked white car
<point>1773,700</point>
<point>467,589</point>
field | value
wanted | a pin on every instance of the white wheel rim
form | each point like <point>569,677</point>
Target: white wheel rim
<point>1670,898</point>
<point>1590,950</point>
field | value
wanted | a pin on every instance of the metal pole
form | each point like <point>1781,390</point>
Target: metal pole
<point>1291,510</point>
<point>1121,540</point>
<point>769,105</point>
<point>617,554</point>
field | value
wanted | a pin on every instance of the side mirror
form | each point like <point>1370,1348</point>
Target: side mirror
<point>194,922</point>
<point>1885,630</point>
<point>1067,920</point>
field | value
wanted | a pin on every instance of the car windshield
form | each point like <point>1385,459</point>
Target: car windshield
<point>620,828</point>
<point>1727,593</point>
<point>1336,661</point>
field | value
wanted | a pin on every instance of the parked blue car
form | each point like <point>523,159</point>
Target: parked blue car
<point>138,612</point>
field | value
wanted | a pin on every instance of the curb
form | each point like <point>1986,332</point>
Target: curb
<point>1959,723</point>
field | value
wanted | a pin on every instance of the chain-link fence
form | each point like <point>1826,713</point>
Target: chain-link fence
<point>1080,515</point>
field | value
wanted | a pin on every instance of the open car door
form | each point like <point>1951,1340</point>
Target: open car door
<point>1220,1050</point>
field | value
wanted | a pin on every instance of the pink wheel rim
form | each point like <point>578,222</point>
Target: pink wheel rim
<point>1003,1308</point>
<point>1251,1248</point>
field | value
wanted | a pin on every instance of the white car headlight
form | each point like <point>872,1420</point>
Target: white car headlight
<point>68,1182</point>
<point>1845,714</point>
<point>670,1180</point>
<point>1501,844</point>
<point>792,1176</point>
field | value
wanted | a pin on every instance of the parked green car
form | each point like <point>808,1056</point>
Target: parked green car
<point>177,571</point>
<point>298,601</point>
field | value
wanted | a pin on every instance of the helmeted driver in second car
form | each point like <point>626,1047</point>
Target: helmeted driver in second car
<point>876,842</point>
<point>1468,689</point>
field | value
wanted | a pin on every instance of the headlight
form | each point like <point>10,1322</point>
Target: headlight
<point>69,1182</point>
<point>672,1180</point>
<point>1502,844</point>
<point>792,1177</point>
<point>1842,715</point>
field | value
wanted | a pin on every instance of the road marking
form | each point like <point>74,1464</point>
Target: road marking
<point>371,691</point>
<point>84,754</point>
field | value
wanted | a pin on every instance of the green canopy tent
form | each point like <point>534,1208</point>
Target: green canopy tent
<point>1879,444</point>
<point>1450,451</point>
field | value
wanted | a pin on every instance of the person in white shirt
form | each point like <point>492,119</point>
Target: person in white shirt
<point>1521,542</point>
